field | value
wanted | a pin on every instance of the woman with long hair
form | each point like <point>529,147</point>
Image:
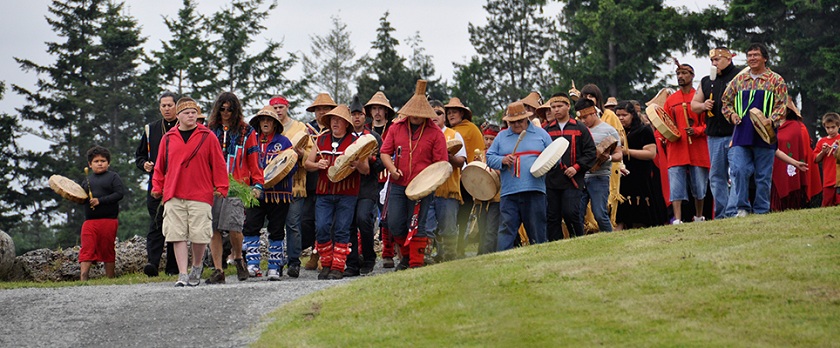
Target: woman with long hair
<point>643,203</point>
<point>241,151</point>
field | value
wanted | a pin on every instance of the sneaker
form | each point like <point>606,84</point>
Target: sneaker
<point>676,222</point>
<point>218,277</point>
<point>324,274</point>
<point>273,275</point>
<point>351,272</point>
<point>254,271</point>
<point>366,268</point>
<point>699,218</point>
<point>242,272</point>
<point>388,262</point>
<point>150,270</point>
<point>293,271</point>
<point>195,275</point>
<point>741,213</point>
<point>183,280</point>
<point>335,274</point>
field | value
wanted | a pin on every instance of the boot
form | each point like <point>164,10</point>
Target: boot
<point>340,252</point>
<point>251,249</point>
<point>387,245</point>
<point>312,264</point>
<point>404,253</point>
<point>325,250</point>
<point>276,257</point>
<point>417,250</point>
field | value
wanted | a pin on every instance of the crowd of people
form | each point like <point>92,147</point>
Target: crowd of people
<point>738,138</point>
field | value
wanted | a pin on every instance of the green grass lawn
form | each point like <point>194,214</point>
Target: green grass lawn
<point>771,280</point>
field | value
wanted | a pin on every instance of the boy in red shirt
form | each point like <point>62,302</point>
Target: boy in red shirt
<point>825,149</point>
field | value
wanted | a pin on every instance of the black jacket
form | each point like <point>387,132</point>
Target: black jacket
<point>581,154</point>
<point>149,153</point>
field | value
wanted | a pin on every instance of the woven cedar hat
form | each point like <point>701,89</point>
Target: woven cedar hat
<point>267,111</point>
<point>516,111</point>
<point>533,99</point>
<point>323,99</point>
<point>456,103</point>
<point>380,99</point>
<point>611,102</point>
<point>342,111</point>
<point>418,105</point>
<point>660,97</point>
<point>543,109</point>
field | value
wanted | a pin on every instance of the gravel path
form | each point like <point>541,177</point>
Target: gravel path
<point>148,315</point>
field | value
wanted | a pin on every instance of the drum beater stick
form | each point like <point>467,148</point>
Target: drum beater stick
<point>90,193</point>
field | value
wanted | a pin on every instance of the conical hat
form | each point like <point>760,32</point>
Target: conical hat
<point>323,99</point>
<point>267,111</point>
<point>380,99</point>
<point>418,105</point>
<point>516,111</point>
<point>342,111</point>
<point>611,101</point>
<point>456,103</point>
<point>533,99</point>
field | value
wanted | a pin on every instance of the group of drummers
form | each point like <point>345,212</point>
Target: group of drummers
<point>434,180</point>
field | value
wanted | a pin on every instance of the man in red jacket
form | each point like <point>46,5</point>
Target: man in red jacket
<point>190,170</point>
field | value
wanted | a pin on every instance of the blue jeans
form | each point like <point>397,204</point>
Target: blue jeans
<point>678,177</point>
<point>400,211</point>
<point>598,192</point>
<point>719,173</point>
<point>488,227</point>
<point>745,161</point>
<point>334,215</point>
<point>445,216</point>
<point>293,243</point>
<point>522,208</point>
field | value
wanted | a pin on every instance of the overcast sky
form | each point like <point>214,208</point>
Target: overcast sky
<point>442,25</point>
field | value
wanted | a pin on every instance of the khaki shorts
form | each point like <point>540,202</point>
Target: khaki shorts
<point>185,220</point>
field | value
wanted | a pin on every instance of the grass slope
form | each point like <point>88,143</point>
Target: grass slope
<point>771,280</point>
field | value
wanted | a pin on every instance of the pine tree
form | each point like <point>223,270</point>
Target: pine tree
<point>387,71</point>
<point>512,45</point>
<point>420,63</point>
<point>183,63</point>
<point>254,78</point>
<point>474,91</point>
<point>332,66</point>
<point>90,95</point>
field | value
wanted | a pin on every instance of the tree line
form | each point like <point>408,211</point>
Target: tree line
<point>102,86</point>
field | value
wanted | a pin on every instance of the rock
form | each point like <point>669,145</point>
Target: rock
<point>7,255</point>
<point>56,265</point>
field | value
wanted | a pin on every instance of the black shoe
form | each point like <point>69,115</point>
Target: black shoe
<point>367,268</point>
<point>335,275</point>
<point>150,270</point>
<point>323,275</point>
<point>218,277</point>
<point>241,270</point>
<point>403,265</point>
<point>293,271</point>
<point>351,272</point>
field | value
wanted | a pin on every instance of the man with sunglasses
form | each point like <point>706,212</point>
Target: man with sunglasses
<point>522,194</point>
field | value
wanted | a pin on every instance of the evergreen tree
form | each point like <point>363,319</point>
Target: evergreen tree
<point>512,46</point>
<point>90,95</point>
<point>474,90</point>
<point>331,66</point>
<point>387,71</point>
<point>421,64</point>
<point>614,44</point>
<point>254,78</point>
<point>183,63</point>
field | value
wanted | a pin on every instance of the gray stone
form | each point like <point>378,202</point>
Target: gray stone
<point>7,255</point>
